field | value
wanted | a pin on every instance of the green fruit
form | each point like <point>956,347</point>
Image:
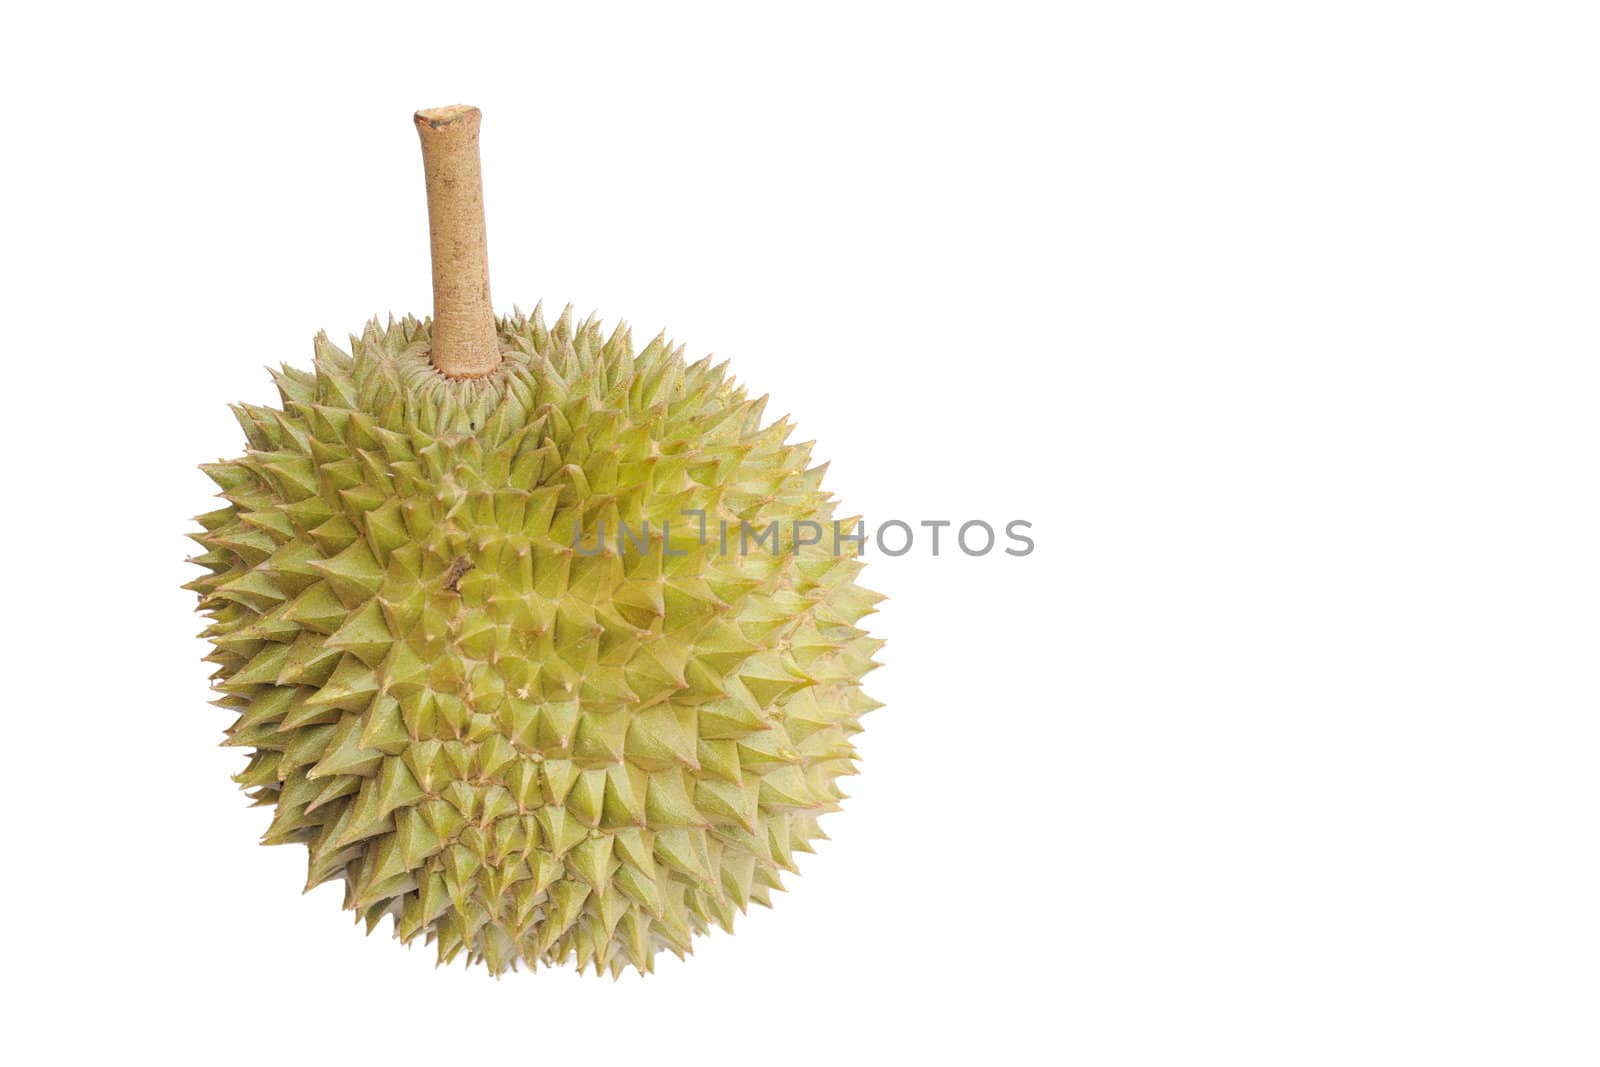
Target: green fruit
<point>516,748</point>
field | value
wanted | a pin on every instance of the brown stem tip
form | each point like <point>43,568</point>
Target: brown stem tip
<point>465,344</point>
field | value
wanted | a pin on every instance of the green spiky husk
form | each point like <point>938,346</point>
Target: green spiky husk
<point>522,752</point>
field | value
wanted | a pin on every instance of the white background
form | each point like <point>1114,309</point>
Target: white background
<point>1278,322</point>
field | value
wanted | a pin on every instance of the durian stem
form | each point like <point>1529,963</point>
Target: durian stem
<point>465,344</point>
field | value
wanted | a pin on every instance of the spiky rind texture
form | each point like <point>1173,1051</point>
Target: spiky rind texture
<point>519,750</point>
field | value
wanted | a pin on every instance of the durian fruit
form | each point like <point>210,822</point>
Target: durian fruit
<point>489,671</point>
